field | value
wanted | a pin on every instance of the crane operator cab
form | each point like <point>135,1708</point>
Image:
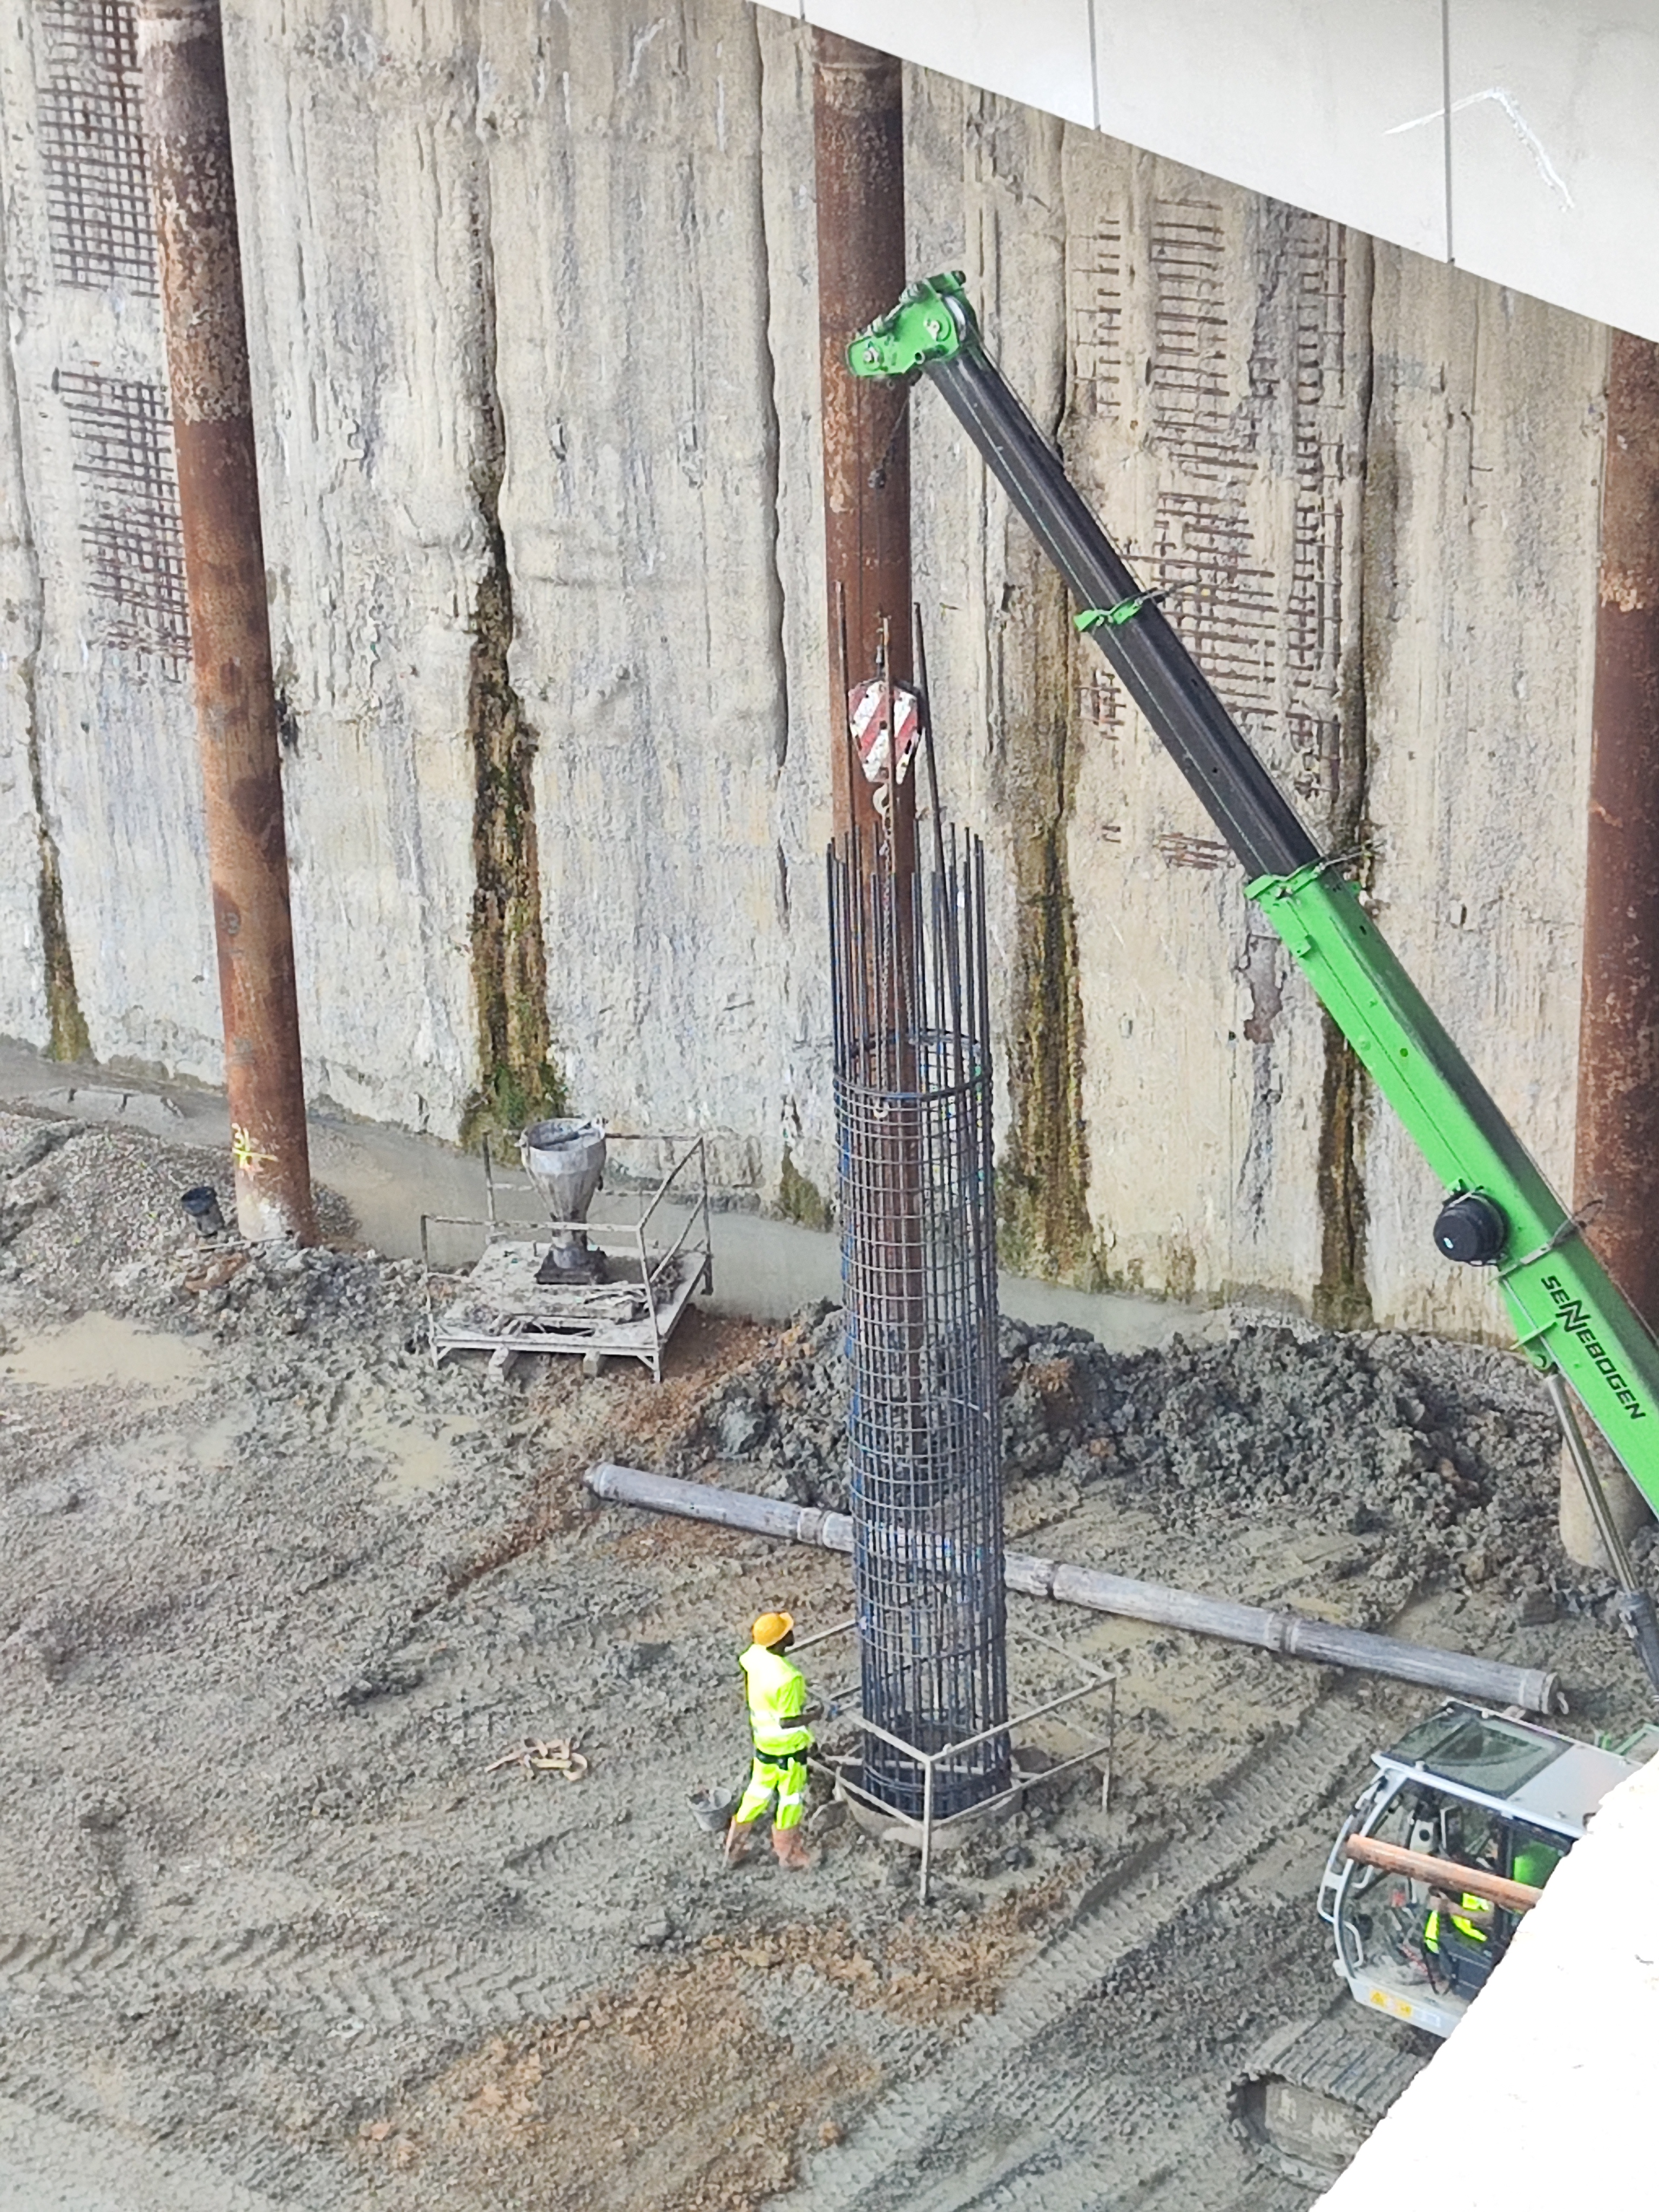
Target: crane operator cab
<point>1484,1790</point>
<point>1464,1790</point>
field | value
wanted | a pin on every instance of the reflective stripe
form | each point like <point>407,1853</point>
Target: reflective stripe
<point>774,1777</point>
<point>752,1807</point>
<point>1468,1927</point>
<point>777,1693</point>
<point>1465,1927</point>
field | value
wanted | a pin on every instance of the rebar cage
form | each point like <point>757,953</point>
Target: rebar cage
<point>913,1112</point>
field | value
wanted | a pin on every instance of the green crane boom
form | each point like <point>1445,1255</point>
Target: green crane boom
<point>1500,1211</point>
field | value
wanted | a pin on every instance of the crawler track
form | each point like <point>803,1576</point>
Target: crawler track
<point>984,2128</point>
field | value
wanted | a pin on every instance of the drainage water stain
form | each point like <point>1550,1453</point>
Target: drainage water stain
<point>101,1348</point>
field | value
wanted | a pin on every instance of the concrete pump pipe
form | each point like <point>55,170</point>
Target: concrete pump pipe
<point>1487,1681</point>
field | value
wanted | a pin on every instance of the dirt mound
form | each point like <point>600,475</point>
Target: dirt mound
<point>714,2078</point>
<point>1440,1459</point>
<point>91,1215</point>
<point>671,2095</point>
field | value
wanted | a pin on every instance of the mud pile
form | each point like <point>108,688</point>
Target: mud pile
<point>1442,1460</point>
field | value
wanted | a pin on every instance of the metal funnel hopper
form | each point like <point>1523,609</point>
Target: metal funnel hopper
<point>565,1160</point>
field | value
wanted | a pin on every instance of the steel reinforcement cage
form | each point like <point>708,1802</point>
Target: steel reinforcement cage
<point>913,1113</point>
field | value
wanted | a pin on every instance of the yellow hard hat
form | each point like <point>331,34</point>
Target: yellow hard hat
<point>771,1628</point>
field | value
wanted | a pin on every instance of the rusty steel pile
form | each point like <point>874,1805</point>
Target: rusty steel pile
<point>912,1109</point>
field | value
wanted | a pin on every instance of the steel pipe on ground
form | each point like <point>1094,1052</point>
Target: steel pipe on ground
<point>1487,1681</point>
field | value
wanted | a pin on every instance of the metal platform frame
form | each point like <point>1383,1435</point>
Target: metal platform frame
<point>520,1316</point>
<point>1099,1682</point>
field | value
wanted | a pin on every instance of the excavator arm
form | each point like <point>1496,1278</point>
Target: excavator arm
<point>1499,1213</point>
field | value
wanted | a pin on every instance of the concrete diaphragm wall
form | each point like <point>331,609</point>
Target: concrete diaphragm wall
<point>532,311</point>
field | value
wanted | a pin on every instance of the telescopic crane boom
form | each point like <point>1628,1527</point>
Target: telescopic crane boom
<point>1499,1211</point>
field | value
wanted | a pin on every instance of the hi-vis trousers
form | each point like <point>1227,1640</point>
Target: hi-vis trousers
<point>783,1772</point>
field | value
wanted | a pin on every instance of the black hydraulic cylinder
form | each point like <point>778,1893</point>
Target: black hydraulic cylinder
<point>1148,659</point>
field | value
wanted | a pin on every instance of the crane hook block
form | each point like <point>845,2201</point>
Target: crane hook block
<point>1470,1228</point>
<point>932,321</point>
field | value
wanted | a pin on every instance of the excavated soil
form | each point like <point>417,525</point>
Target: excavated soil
<point>277,1593</point>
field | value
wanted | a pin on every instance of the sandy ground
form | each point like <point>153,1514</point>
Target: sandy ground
<point>277,1593</point>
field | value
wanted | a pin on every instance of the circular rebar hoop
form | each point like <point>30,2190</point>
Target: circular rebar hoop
<point>913,1106</point>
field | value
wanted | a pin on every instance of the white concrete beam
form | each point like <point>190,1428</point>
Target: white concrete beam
<point>1510,137</point>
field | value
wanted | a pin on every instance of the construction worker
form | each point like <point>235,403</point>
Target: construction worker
<point>778,1714</point>
<point>1459,1930</point>
<point>1468,1903</point>
<point>1531,1860</point>
<point>1455,1944</point>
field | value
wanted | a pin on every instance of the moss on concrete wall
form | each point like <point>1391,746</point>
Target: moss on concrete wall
<point>518,1082</point>
<point>69,1039</point>
<point>1043,1223</point>
<point>800,1200</point>
<point>1342,1298</point>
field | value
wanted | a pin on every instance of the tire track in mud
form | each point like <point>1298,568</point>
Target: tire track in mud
<point>446,1985</point>
<point>477,1698</point>
<point>251,2167</point>
<point>910,2151</point>
<point>1037,2173</point>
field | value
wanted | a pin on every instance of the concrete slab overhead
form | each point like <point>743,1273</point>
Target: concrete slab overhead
<point>1041,52</point>
<point>1554,186</point>
<point>1217,85</point>
<point>1511,139</point>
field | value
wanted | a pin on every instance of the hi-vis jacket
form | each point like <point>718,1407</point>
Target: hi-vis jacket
<point>777,1694</point>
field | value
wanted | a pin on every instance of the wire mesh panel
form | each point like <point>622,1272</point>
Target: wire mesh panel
<point>130,531</point>
<point>913,1106</point>
<point>92,146</point>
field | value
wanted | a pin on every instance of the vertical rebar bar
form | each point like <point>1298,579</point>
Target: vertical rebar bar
<point>187,130</point>
<point>913,1106</point>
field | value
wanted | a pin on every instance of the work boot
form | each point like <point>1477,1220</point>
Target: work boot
<point>739,1837</point>
<point>790,1850</point>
